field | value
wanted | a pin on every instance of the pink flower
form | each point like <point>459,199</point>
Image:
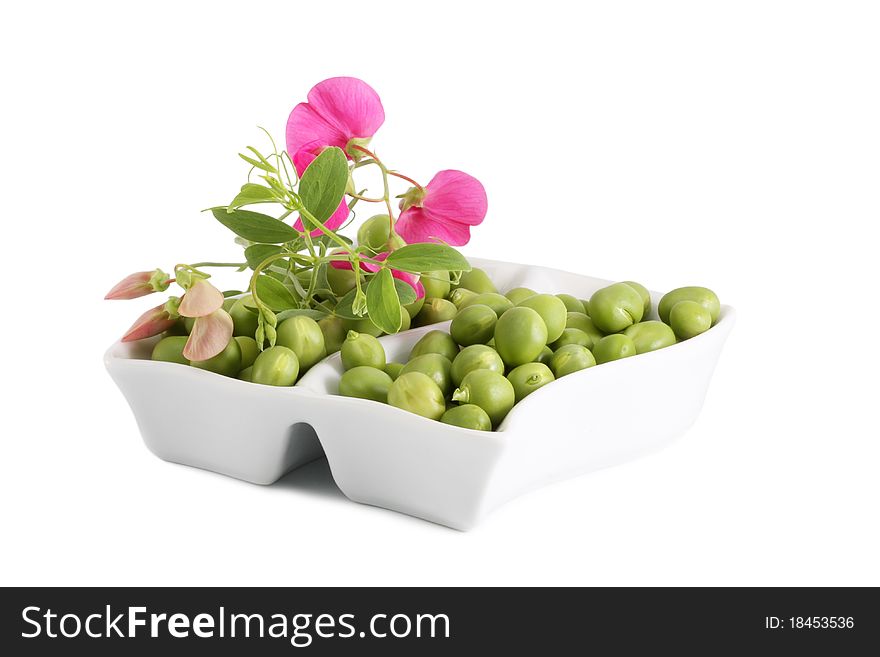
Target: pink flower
<point>411,279</point>
<point>200,299</point>
<point>444,210</point>
<point>301,160</point>
<point>138,284</point>
<point>340,112</point>
<point>209,336</point>
<point>153,322</point>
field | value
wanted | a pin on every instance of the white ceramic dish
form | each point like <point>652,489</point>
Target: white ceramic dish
<point>384,456</point>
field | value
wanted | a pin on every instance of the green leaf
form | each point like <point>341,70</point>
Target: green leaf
<point>255,227</point>
<point>326,240</point>
<point>252,193</point>
<point>256,253</point>
<point>323,183</point>
<point>261,163</point>
<point>383,306</point>
<point>306,312</point>
<point>274,294</point>
<point>405,292</point>
<point>231,293</point>
<point>427,256</point>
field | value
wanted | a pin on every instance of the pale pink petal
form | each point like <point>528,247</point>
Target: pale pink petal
<point>132,286</point>
<point>350,105</point>
<point>335,221</point>
<point>200,299</point>
<point>209,336</point>
<point>456,196</point>
<point>418,225</point>
<point>153,322</point>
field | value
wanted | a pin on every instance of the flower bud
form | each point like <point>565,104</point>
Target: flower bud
<point>139,284</point>
<point>153,322</point>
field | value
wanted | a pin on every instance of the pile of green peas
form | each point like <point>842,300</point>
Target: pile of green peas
<point>300,343</point>
<point>500,348</point>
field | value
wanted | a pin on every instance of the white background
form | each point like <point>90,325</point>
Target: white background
<point>733,145</point>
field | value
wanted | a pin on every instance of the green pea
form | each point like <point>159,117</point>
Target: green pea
<point>365,383</point>
<point>475,357</point>
<point>571,358</point>
<point>551,310</point>
<point>363,325</point>
<point>413,308</point>
<point>497,302</point>
<point>362,349</point>
<point>520,335</point>
<point>417,393</point>
<point>188,323</point>
<point>467,416</point>
<point>519,294</point>
<point>586,303</point>
<point>244,321</point>
<point>461,295</point>
<point>473,325</point>
<point>572,304</point>
<point>342,281</point>
<point>227,362</point>
<point>179,327</point>
<point>437,366</point>
<point>585,324</point>
<point>613,347</point>
<point>228,303</point>
<point>303,335</point>
<point>405,320</point>
<point>276,366</point>
<point>436,284</point>
<point>334,330</point>
<point>545,356</point>
<point>247,374</point>
<point>170,349</point>
<point>615,307</point>
<point>435,342</point>
<point>572,336</point>
<point>249,350</point>
<point>646,296</point>
<point>689,318</point>
<point>477,280</point>
<point>650,336</point>
<point>528,378</point>
<point>375,232</point>
<point>435,311</point>
<point>393,369</point>
<point>702,295</point>
<point>489,390</point>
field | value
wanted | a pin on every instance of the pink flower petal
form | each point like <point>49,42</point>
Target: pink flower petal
<point>335,221</point>
<point>209,336</point>
<point>338,110</point>
<point>132,286</point>
<point>419,225</point>
<point>456,196</point>
<point>153,322</point>
<point>200,299</point>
